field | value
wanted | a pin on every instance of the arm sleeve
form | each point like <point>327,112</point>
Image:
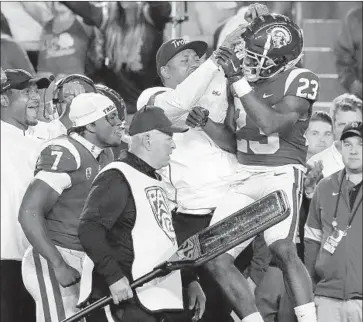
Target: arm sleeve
<point>346,62</point>
<point>104,205</point>
<point>58,181</point>
<point>313,235</point>
<point>180,101</point>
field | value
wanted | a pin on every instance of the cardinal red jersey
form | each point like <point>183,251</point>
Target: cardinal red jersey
<point>66,155</point>
<point>278,149</point>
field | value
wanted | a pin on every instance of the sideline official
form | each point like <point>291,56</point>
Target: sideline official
<point>126,226</point>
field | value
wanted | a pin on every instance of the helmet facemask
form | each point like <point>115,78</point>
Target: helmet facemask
<point>260,66</point>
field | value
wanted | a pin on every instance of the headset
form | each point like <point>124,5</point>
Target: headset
<point>54,99</point>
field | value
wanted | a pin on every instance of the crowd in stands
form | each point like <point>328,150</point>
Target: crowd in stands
<point>112,46</point>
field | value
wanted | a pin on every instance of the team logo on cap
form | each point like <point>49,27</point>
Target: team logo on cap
<point>280,36</point>
<point>354,124</point>
<point>179,42</point>
<point>109,109</point>
<point>158,202</point>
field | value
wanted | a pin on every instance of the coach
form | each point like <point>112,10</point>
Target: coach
<point>333,235</point>
<point>19,104</point>
<point>126,227</point>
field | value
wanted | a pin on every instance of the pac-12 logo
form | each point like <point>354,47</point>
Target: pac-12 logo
<point>158,202</point>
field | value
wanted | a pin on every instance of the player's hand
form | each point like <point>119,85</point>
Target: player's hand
<point>255,10</point>
<point>234,37</point>
<point>197,117</point>
<point>227,59</point>
<point>313,176</point>
<point>121,290</point>
<point>197,300</point>
<point>66,275</point>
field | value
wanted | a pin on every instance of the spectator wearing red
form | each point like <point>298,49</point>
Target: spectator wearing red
<point>63,44</point>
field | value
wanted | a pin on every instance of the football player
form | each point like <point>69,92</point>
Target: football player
<point>53,203</point>
<point>122,114</point>
<point>273,103</point>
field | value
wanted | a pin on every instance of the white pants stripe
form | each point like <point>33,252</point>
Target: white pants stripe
<point>53,302</point>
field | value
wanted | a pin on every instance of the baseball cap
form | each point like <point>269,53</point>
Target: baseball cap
<point>20,79</point>
<point>352,129</point>
<point>174,46</point>
<point>89,107</point>
<point>153,118</point>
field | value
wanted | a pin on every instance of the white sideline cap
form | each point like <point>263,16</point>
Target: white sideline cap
<point>89,107</point>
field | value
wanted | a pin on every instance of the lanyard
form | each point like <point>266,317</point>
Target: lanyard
<point>353,213</point>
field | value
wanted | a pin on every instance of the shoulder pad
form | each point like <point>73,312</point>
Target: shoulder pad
<point>58,155</point>
<point>303,83</point>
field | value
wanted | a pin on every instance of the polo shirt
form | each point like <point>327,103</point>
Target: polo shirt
<point>19,153</point>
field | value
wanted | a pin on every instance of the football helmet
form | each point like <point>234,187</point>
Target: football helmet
<point>55,104</point>
<point>272,43</point>
<point>115,98</point>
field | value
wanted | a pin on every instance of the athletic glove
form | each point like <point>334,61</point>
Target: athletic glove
<point>227,59</point>
<point>198,117</point>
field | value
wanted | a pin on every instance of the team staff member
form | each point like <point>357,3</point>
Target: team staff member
<point>196,180</point>
<point>19,103</point>
<point>126,225</point>
<point>333,236</point>
<point>54,200</point>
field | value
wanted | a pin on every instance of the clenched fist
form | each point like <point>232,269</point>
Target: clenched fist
<point>198,117</point>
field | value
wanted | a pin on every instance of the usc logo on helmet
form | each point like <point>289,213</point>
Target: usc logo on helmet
<point>280,36</point>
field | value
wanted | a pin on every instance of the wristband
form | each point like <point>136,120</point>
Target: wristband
<point>242,87</point>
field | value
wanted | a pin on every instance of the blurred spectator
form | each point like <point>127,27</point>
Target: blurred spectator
<point>12,54</point>
<point>333,236</point>
<point>319,133</point>
<point>63,44</point>
<point>26,19</point>
<point>346,108</point>
<point>348,51</point>
<point>204,18</point>
<point>131,33</point>
<point>19,102</point>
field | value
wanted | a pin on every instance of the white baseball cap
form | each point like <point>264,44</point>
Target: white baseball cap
<point>89,107</point>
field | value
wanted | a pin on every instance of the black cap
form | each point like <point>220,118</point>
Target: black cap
<point>171,47</point>
<point>151,118</point>
<point>352,129</point>
<point>20,79</point>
